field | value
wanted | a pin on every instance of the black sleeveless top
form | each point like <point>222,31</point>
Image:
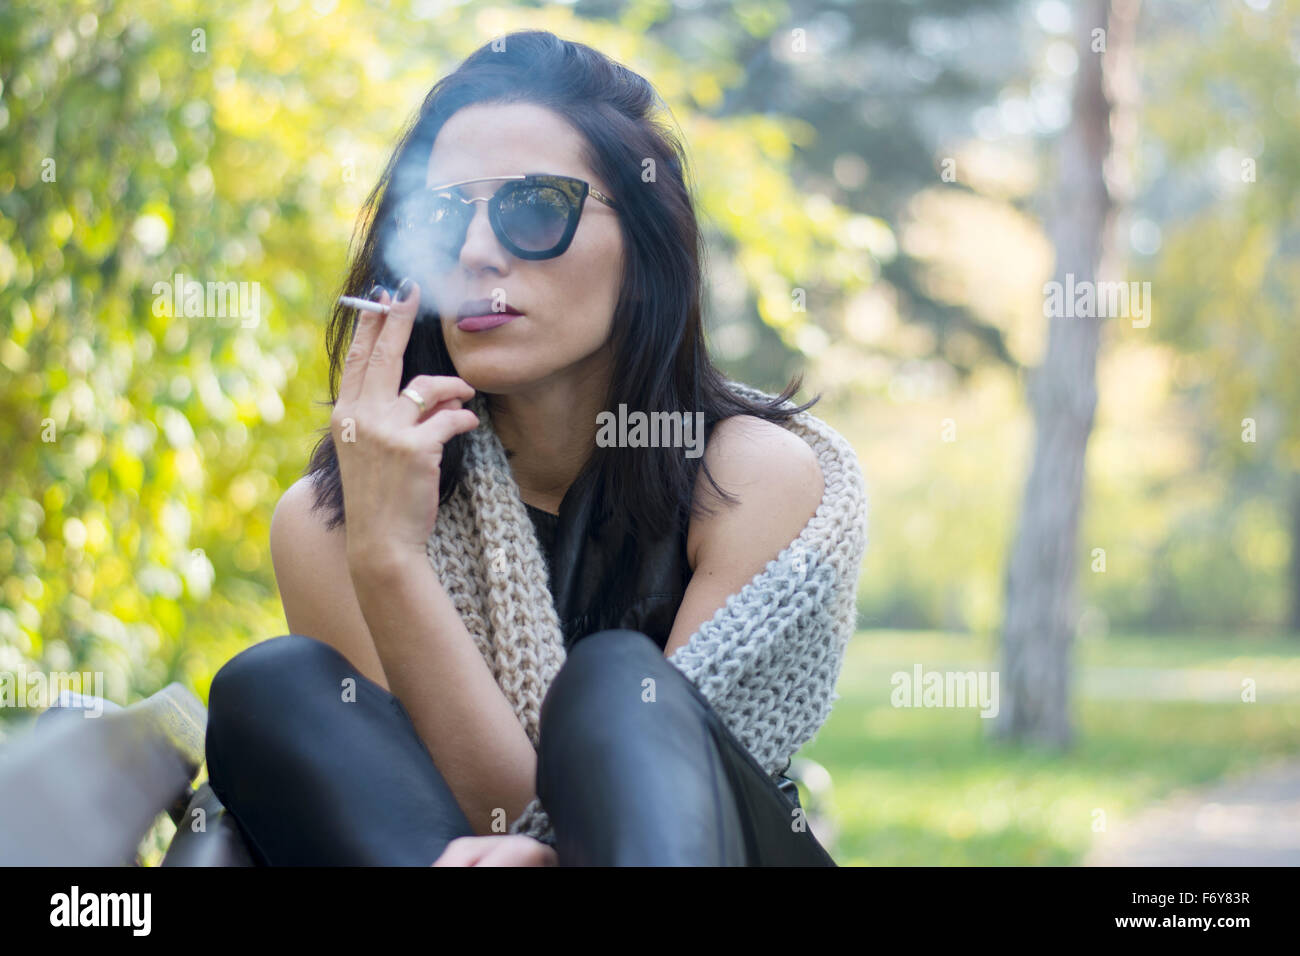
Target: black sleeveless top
<point>600,583</point>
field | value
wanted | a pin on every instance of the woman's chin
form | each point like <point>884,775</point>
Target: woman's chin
<point>501,367</point>
<point>497,374</point>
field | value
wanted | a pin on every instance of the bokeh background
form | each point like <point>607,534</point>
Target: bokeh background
<point>885,187</point>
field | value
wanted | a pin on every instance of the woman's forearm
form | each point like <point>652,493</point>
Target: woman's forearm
<point>434,668</point>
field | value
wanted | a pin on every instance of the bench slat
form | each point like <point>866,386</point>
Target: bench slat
<point>221,843</point>
<point>81,790</point>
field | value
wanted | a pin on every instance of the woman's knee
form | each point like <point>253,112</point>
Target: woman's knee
<point>267,665</point>
<point>250,687</point>
<point>617,656</point>
<point>605,685</point>
<point>614,647</point>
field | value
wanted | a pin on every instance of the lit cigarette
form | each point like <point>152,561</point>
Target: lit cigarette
<point>364,304</point>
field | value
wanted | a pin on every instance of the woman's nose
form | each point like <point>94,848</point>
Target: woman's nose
<point>481,247</point>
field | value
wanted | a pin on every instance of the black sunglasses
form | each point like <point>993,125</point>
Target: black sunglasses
<point>534,216</point>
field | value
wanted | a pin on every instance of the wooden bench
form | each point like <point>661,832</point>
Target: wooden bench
<point>80,789</point>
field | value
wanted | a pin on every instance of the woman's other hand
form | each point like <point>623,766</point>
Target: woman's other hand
<point>389,450</point>
<point>507,849</point>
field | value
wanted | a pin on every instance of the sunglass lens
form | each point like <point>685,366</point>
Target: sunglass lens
<point>535,217</point>
<point>447,219</point>
<point>433,222</point>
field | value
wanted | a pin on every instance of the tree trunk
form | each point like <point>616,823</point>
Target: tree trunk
<point>1295,554</point>
<point>1041,613</point>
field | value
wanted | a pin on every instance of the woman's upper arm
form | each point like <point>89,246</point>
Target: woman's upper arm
<point>311,571</point>
<point>776,477</point>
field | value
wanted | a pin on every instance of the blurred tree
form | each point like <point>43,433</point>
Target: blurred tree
<point>878,91</point>
<point>1041,616</point>
<point>1225,108</point>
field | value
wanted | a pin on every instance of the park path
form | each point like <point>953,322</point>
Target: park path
<point>1252,820</point>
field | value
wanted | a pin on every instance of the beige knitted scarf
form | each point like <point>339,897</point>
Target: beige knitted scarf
<point>767,661</point>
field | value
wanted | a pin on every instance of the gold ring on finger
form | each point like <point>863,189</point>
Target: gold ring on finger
<point>414,396</point>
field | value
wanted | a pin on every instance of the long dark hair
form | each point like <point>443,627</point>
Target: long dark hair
<point>661,361</point>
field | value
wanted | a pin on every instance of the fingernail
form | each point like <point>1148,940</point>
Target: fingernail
<point>404,290</point>
<point>375,293</point>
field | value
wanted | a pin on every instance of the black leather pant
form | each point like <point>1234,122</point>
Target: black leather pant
<point>631,773</point>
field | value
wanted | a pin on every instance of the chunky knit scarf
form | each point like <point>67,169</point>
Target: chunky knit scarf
<point>767,661</point>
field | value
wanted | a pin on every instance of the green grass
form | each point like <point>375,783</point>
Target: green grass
<point>926,786</point>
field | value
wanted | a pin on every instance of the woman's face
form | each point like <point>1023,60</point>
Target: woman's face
<point>567,303</point>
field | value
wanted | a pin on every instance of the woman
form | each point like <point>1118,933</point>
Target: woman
<point>536,230</point>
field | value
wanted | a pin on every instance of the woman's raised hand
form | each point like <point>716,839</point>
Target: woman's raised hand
<point>389,450</point>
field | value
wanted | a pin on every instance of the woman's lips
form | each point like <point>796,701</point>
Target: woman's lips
<point>479,323</point>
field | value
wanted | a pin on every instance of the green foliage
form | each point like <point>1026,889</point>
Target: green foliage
<point>1224,106</point>
<point>143,447</point>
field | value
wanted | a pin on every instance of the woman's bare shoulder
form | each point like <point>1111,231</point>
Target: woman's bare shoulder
<point>776,477</point>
